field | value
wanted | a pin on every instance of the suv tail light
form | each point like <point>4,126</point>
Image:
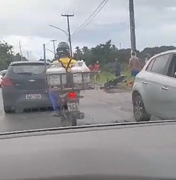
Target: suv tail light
<point>6,82</point>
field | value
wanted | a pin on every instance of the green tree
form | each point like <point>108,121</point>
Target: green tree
<point>7,56</point>
<point>86,55</point>
<point>107,52</point>
<point>78,53</point>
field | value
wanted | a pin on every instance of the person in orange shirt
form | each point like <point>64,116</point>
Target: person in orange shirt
<point>96,69</point>
<point>91,70</point>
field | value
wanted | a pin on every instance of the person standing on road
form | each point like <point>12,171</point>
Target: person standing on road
<point>97,66</point>
<point>134,64</point>
<point>91,70</point>
<point>96,69</point>
<point>117,67</point>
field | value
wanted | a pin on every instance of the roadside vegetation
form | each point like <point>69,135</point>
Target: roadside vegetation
<point>104,53</point>
<point>7,55</point>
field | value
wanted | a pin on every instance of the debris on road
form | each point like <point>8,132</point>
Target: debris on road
<point>113,84</point>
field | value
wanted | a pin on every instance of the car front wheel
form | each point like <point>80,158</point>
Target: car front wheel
<point>139,111</point>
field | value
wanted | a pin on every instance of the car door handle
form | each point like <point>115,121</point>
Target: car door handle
<point>144,82</point>
<point>164,88</point>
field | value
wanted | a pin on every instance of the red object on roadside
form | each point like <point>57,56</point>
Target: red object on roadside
<point>96,67</point>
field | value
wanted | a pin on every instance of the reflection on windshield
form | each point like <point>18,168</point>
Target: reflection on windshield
<point>107,79</point>
<point>29,69</point>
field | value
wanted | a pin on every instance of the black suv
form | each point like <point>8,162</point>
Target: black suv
<point>24,86</point>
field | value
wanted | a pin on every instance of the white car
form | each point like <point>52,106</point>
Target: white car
<point>154,89</point>
<point>1,79</point>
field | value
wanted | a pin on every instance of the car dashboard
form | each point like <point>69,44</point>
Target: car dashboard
<point>132,151</point>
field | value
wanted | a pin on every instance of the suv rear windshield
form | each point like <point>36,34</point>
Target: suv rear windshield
<point>31,69</point>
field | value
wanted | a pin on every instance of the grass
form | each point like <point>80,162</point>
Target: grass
<point>110,76</point>
<point>105,75</point>
<point>127,74</point>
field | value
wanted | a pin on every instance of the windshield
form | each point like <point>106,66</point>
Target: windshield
<point>120,54</point>
<point>28,69</point>
<point>74,64</point>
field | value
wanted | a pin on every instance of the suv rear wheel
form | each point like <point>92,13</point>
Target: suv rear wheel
<point>7,109</point>
<point>139,111</point>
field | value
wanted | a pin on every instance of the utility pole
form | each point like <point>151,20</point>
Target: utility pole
<point>44,55</point>
<point>20,51</point>
<point>132,26</point>
<point>54,47</point>
<point>69,34</point>
<point>27,53</point>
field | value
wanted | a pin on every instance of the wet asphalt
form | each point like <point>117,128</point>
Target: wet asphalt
<point>99,108</point>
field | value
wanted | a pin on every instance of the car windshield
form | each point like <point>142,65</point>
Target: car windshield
<point>28,69</point>
<point>111,61</point>
<point>69,64</point>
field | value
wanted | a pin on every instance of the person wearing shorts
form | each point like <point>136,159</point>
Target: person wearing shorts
<point>134,73</point>
<point>134,65</point>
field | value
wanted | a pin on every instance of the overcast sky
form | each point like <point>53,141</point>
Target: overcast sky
<point>28,21</point>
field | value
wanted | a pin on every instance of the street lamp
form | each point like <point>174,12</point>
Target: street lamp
<point>59,29</point>
<point>68,35</point>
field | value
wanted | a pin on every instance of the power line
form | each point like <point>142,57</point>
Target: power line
<point>91,17</point>
<point>99,13</point>
<point>105,8</point>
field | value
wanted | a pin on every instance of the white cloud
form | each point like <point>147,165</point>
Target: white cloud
<point>28,21</point>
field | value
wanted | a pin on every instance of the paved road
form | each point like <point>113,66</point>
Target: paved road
<point>99,107</point>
